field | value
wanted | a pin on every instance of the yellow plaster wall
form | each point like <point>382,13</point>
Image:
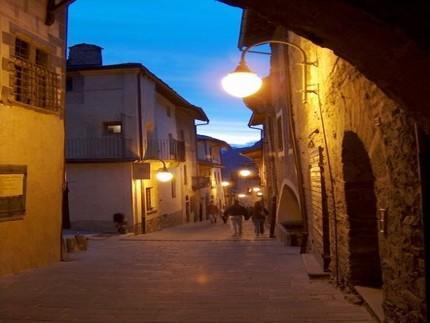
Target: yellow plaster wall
<point>34,139</point>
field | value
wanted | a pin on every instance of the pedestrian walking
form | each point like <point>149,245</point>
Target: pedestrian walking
<point>213,212</point>
<point>236,212</point>
<point>259,214</point>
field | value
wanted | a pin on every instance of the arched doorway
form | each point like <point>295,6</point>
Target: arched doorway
<point>360,198</point>
<point>289,215</point>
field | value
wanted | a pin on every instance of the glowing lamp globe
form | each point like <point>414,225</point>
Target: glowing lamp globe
<point>225,183</point>
<point>241,195</point>
<point>242,82</point>
<point>256,189</point>
<point>163,175</point>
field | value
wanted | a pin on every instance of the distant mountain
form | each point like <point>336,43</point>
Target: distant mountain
<point>248,144</point>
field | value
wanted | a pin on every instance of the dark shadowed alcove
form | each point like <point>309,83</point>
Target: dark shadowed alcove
<point>360,198</point>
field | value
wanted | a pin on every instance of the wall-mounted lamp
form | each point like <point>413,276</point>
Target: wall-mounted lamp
<point>163,174</point>
<point>242,82</point>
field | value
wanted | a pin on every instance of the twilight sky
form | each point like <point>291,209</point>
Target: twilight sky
<point>189,44</point>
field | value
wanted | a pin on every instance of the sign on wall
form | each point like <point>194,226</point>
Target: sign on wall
<point>141,171</point>
<point>13,182</point>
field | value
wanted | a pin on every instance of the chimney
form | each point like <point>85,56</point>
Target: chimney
<point>85,55</point>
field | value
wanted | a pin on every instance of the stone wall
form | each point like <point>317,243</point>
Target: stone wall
<point>348,103</point>
<point>163,221</point>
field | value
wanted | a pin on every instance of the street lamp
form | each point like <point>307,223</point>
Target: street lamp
<point>163,174</point>
<point>244,172</point>
<point>241,195</point>
<point>225,183</point>
<point>242,82</point>
<point>256,189</point>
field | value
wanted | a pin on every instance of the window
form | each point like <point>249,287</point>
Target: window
<point>33,82</point>
<point>148,198</point>
<point>280,136</point>
<point>173,184</point>
<point>112,128</point>
<point>41,57</point>
<point>185,175</point>
<point>22,49</point>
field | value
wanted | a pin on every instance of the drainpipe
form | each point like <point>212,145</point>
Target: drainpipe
<point>139,115</point>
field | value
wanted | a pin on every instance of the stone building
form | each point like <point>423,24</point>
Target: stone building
<point>348,163</point>
<point>123,124</point>
<point>32,50</point>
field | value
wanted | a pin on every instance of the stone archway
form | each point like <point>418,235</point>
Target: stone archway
<point>288,212</point>
<point>361,208</point>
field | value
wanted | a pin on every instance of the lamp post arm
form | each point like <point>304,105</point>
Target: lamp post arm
<point>163,162</point>
<point>280,42</point>
<point>304,62</point>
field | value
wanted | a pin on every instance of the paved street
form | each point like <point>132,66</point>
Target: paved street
<point>193,273</point>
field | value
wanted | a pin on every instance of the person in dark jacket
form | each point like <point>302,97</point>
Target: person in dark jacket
<point>258,217</point>
<point>236,212</point>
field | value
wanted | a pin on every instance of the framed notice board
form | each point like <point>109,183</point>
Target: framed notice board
<point>13,184</point>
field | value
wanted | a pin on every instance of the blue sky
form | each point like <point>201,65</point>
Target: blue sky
<point>190,44</point>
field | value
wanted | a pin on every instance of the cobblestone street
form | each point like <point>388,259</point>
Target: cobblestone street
<point>193,273</point>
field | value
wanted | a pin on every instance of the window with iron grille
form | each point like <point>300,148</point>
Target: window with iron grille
<point>33,82</point>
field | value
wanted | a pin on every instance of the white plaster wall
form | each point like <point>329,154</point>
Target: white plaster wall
<point>96,192</point>
<point>163,123</point>
<point>102,96</point>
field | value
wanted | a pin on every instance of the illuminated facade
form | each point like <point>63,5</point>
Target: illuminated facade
<point>208,183</point>
<point>32,47</point>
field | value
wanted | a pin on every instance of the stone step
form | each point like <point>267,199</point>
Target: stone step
<point>373,298</point>
<point>313,268</point>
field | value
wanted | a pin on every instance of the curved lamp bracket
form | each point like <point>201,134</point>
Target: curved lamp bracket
<point>305,63</point>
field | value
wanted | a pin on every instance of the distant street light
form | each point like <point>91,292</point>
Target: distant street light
<point>256,189</point>
<point>225,183</point>
<point>244,172</point>
<point>241,195</point>
<point>259,193</point>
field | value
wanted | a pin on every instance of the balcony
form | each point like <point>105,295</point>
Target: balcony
<point>199,182</point>
<point>35,85</point>
<point>167,149</point>
<point>102,148</point>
